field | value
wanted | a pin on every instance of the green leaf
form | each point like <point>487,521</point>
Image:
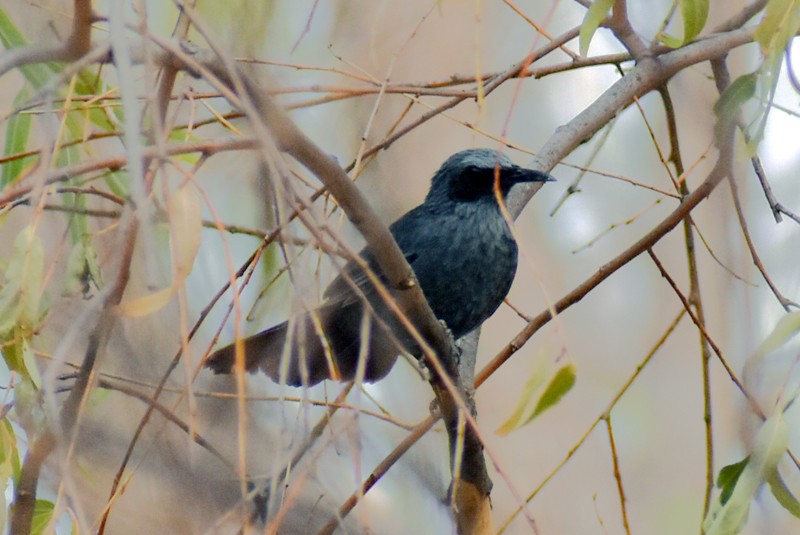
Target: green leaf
<point>9,455</point>
<point>596,14</point>
<point>732,99</point>
<point>17,134</point>
<point>30,254</point>
<point>9,464</point>
<point>783,494</point>
<point>771,32</point>
<point>82,269</point>
<point>20,296</point>
<point>20,302</point>
<point>535,381</point>
<point>86,83</point>
<point>29,361</point>
<point>28,407</point>
<point>183,135</point>
<point>532,405</point>
<point>779,26</point>
<point>769,445</point>
<point>42,514</point>
<point>727,478</point>
<point>694,14</point>
<point>559,385</point>
<point>89,83</point>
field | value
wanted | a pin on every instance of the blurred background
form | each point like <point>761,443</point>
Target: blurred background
<point>308,53</point>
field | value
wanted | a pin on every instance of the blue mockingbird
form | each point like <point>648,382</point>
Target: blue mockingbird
<point>462,252</point>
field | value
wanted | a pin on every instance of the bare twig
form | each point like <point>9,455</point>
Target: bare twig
<point>695,297</point>
<point>617,475</point>
<point>785,302</point>
<point>701,327</point>
<point>621,26</point>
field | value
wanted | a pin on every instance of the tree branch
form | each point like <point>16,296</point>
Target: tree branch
<point>75,46</point>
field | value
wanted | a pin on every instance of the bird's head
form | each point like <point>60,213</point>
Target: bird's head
<point>470,175</point>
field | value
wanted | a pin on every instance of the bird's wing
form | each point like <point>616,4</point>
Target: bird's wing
<point>342,289</point>
<point>354,283</point>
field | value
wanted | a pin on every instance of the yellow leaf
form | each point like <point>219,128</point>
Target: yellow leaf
<point>142,306</point>
<point>185,225</point>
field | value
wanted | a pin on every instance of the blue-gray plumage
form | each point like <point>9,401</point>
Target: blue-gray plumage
<point>462,252</point>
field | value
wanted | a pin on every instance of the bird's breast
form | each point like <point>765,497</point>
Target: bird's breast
<point>470,269</point>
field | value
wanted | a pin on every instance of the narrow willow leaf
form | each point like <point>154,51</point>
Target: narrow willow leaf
<point>740,91</point>
<point>769,446</point>
<point>9,465</point>
<point>783,494</point>
<point>82,269</point>
<point>768,33</point>
<point>29,361</point>
<point>31,276</point>
<point>786,328</point>
<point>10,453</point>
<point>92,265</point>
<point>597,12</point>
<point>117,182</point>
<point>21,294</point>
<point>28,407</point>
<point>186,225</point>
<point>12,352</point>
<point>9,294</point>
<point>694,14</point>
<point>559,385</point>
<point>42,515</point>
<point>148,304</point>
<point>527,397</point>
<point>779,26</point>
<point>731,100</point>
<point>531,403</point>
<point>183,135</point>
<point>17,133</point>
<point>19,357</point>
<point>184,210</point>
<point>90,84</point>
<point>75,270</point>
<point>727,478</point>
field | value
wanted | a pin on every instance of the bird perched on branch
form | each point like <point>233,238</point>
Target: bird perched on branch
<point>463,254</point>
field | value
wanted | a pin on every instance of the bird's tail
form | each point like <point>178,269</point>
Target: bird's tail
<point>304,361</point>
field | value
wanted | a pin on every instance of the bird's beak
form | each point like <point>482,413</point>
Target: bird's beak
<point>529,175</point>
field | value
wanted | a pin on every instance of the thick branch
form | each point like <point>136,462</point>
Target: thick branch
<point>644,77</point>
<point>76,45</point>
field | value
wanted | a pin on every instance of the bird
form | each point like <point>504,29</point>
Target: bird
<point>462,251</point>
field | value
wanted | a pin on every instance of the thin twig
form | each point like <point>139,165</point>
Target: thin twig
<point>701,327</point>
<point>617,475</point>
<point>785,302</point>
<point>695,296</point>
